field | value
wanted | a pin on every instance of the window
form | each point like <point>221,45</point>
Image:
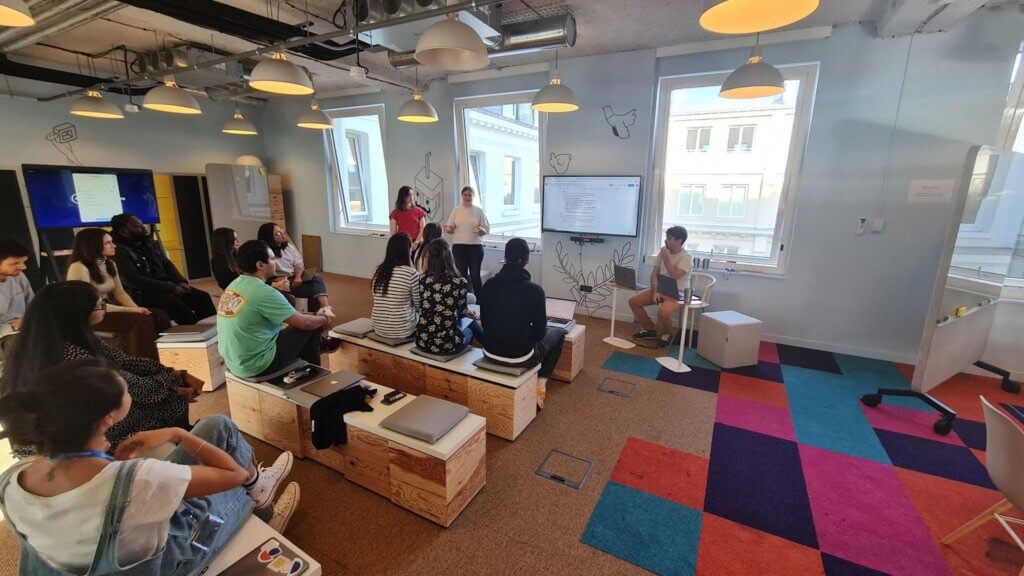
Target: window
<point>691,200</point>
<point>698,139</point>
<point>499,143</point>
<point>736,204</point>
<point>732,202</point>
<point>511,182</point>
<point>741,138</point>
<point>357,148</point>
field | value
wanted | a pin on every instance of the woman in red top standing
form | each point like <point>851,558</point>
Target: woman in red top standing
<point>408,218</point>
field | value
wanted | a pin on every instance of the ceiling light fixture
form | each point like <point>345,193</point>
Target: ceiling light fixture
<point>417,110</point>
<point>555,97</point>
<point>92,105</point>
<point>239,125</point>
<point>170,98</point>
<point>315,118</point>
<point>15,13</point>
<point>751,16</point>
<point>755,79</point>
<point>451,45</point>
<point>279,76</point>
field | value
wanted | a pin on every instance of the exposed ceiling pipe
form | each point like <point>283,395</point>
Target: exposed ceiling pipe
<point>449,9</point>
<point>43,17</point>
<point>62,24</point>
<point>28,71</point>
<point>519,38</point>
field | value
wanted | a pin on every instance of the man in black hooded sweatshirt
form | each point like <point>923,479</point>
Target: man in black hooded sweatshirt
<point>513,312</point>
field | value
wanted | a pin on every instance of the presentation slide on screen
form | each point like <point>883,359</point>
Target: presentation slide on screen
<point>98,196</point>
<point>592,205</point>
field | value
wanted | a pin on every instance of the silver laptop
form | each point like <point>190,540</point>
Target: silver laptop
<point>560,312</point>
<point>625,277</point>
<point>331,383</point>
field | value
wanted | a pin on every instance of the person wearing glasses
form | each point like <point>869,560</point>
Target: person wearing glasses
<point>58,328</point>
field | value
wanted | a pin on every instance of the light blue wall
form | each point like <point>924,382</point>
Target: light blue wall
<point>864,294</point>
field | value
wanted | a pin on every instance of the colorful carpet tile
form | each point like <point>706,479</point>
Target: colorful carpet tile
<point>804,479</point>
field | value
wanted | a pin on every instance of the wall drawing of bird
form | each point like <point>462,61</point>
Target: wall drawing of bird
<point>620,123</point>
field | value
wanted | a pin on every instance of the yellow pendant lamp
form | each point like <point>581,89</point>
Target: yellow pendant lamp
<point>755,79</point>
<point>170,98</point>
<point>92,105</point>
<point>239,125</point>
<point>15,13</point>
<point>416,110</point>
<point>315,119</point>
<point>751,16</point>
<point>279,76</point>
<point>555,97</point>
<point>451,45</point>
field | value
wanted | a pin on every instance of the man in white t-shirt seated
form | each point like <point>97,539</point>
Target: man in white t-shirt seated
<point>672,261</point>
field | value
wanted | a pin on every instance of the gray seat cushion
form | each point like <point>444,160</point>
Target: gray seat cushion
<point>426,418</point>
<point>440,357</point>
<point>488,364</point>
<point>389,341</point>
<point>359,327</point>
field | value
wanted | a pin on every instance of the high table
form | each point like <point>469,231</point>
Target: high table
<point>612,338</point>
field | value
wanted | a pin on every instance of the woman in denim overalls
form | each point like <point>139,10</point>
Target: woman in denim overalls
<point>65,415</point>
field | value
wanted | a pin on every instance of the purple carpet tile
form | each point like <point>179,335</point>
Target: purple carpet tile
<point>808,358</point>
<point>697,377</point>
<point>935,458</point>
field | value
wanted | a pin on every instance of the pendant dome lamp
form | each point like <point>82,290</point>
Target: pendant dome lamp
<point>279,76</point>
<point>555,97</point>
<point>752,16</point>
<point>451,45</point>
<point>416,110</point>
<point>755,79</point>
<point>170,98</point>
<point>92,105</point>
<point>239,125</point>
<point>15,13</point>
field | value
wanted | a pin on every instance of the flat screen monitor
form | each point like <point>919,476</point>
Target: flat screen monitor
<point>74,196</point>
<point>599,205</point>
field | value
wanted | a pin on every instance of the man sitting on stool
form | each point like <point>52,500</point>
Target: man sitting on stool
<point>513,309</point>
<point>150,278</point>
<point>249,319</point>
<point>672,261</point>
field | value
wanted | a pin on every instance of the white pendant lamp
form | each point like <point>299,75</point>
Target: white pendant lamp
<point>15,13</point>
<point>417,110</point>
<point>751,16</point>
<point>555,97</point>
<point>239,125</point>
<point>451,45</point>
<point>170,98</point>
<point>315,119</point>
<point>755,79</point>
<point>279,76</point>
<point>92,105</point>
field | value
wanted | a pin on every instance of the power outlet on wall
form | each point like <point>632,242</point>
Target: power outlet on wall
<point>586,289</point>
<point>862,226</point>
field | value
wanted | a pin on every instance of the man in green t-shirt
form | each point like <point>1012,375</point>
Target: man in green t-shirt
<point>249,317</point>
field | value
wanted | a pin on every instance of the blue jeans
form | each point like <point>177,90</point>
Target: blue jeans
<point>471,331</point>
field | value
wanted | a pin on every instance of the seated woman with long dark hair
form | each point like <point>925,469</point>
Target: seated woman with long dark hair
<point>431,232</point>
<point>396,291</point>
<point>289,263</point>
<point>440,329</point>
<point>58,328</point>
<point>135,328</point>
<point>225,266</point>
<point>79,510</point>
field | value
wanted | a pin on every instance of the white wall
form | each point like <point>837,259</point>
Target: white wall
<point>866,295</point>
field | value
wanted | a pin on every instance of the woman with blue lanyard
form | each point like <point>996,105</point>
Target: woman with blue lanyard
<point>77,509</point>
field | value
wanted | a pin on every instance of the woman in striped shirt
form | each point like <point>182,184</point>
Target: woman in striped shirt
<point>396,291</point>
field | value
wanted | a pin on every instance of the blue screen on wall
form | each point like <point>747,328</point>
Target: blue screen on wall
<point>74,196</point>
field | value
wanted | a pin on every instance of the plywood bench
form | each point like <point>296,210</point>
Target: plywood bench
<point>509,403</point>
<point>436,481</point>
<point>250,537</point>
<point>201,359</point>
<point>571,361</point>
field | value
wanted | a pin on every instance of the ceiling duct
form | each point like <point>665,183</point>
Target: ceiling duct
<point>181,62</point>
<point>73,15</point>
<point>519,38</point>
<point>484,20</point>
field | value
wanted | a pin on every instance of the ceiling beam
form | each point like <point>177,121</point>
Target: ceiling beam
<point>954,13</point>
<point>905,17</point>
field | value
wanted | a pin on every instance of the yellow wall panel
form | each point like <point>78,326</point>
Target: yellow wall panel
<point>170,230</point>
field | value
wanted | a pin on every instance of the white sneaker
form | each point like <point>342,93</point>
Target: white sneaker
<point>327,311</point>
<point>270,479</point>
<point>285,506</point>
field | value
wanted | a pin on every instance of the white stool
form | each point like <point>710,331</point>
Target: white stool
<point>729,339</point>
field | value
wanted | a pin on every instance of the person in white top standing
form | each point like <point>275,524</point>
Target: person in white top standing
<point>673,260</point>
<point>468,225</point>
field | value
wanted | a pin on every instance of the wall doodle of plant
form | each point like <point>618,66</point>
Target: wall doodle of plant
<point>600,279</point>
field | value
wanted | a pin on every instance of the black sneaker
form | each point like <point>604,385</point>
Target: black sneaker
<point>664,342</point>
<point>645,335</point>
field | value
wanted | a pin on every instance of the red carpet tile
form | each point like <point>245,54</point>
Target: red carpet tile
<point>662,471</point>
<point>730,548</point>
<point>961,393</point>
<point>764,391</point>
<point>768,352</point>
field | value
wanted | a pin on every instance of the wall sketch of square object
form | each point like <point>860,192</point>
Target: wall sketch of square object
<point>617,388</point>
<point>566,469</point>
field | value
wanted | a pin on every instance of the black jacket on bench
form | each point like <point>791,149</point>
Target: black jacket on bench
<point>513,313</point>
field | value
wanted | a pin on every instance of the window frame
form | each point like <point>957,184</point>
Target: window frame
<point>689,206</point>
<point>462,150</point>
<point>739,138</point>
<point>359,141</point>
<point>514,204</point>
<point>699,130</point>
<point>339,201</point>
<point>777,264</point>
<point>732,201</point>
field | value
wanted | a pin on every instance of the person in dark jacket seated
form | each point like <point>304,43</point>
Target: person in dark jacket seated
<point>513,313</point>
<point>151,279</point>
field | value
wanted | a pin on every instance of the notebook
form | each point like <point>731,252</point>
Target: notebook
<point>189,333</point>
<point>273,557</point>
